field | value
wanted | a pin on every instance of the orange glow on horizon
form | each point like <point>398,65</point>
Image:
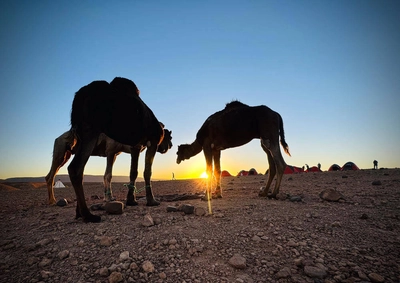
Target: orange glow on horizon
<point>204,175</point>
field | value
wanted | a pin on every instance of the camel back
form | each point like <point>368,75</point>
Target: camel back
<point>116,110</point>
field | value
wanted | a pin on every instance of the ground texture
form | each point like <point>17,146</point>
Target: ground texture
<point>298,238</point>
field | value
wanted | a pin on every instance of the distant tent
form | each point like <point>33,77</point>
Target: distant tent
<point>293,169</point>
<point>334,167</point>
<point>313,169</point>
<point>350,166</point>
<point>59,184</point>
<point>225,173</point>
<point>243,173</point>
<point>252,171</point>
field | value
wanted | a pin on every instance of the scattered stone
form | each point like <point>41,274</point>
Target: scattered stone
<point>299,261</point>
<point>336,224</point>
<point>147,220</point>
<point>97,206</point>
<point>295,198</point>
<point>283,273</point>
<point>46,274</point>
<point>171,208</point>
<point>147,266</point>
<point>124,256</point>
<point>376,183</point>
<point>237,261</point>
<point>256,238</point>
<point>376,278</point>
<point>344,177</point>
<point>133,266</point>
<point>187,208</point>
<point>105,241</point>
<point>103,271</point>
<point>114,207</point>
<point>45,262</point>
<point>290,179</point>
<point>62,202</point>
<point>315,272</point>
<point>63,254</point>
<point>115,277</point>
<point>162,275</point>
<point>364,216</point>
<point>330,195</point>
<point>200,211</point>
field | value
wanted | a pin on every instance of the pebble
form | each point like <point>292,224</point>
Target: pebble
<point>147,266</point>
<point>115,277</point>
<point>374,277</point>
<point>238,261</point>
<point>103,271</point>
<point>376,183</point>
<point>187,208</point>
<point>147,220</point>
<point>124,256</point>
<point>62,202</point>
<point>314,272</point>
<point>105,241</point>
<point>63,254</point>
<point>330,195</point>
<point>200,211</point>
<point>171,208</point>
<point>283,273</point>
<point>114,207</point>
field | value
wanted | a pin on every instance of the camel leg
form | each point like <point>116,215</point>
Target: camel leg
<point>208,155</point>
<point>60,156</point>
<point>272,170</point>
<point>131,198</point>
<point>217,172</point>
<point>149,158</point>
<point>75,171</point>
<point>280,168</point>
<point>108,176</point>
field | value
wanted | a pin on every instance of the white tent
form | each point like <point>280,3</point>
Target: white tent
<point>59,184</point>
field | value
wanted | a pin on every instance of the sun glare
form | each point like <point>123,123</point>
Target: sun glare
<point>204,175</point>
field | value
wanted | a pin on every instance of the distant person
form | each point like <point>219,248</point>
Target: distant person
<point>319,166</point>
<point>173,176</point>
<point>375,164</point>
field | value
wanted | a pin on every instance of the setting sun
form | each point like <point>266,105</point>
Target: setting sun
<point>204,175</point>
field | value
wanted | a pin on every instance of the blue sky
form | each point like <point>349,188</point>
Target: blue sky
<point>330,68</point>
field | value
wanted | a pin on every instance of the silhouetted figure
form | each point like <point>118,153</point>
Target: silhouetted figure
<point>319,166</point>
<point>375,164</point>
<point>173,176</point>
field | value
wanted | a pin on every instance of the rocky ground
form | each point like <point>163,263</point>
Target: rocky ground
<point>298,238</point>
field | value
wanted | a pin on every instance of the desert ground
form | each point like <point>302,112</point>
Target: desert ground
<point>298,238</point>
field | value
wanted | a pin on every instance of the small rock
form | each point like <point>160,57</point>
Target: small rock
<point>200,211</point>
<point>45,262</point>
<point>46,274</point>
<point>133,266</point>
<point>105,241</point>
<point>114,207</point>
<point>187,208</point>
<point>256,238</point>
<point>374,277</point>
<point>115,277</point>
<point>330,195</point>
<point>63,254</point>
<point>162,275</point>
<point>237,261</point>
<point>147,220</point>
<point>97,206</point>
<point>299,261</point>
<point>147,266</point>
<point>62,202</point>
<point>171,208</point>
<point>364,216</point>
<point>124,256</point>
<point>336,224</point>
<point>295,198</point>
<point>103,271</point>
<point>376,183</point>
<point>314,272</point>
<point>283,273</point>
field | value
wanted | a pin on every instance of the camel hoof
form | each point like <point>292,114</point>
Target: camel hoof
<point>152,202</point>
<point>90,218</point>
<point>131,203</point>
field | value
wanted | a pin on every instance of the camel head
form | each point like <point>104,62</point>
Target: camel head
<point>183,152</point>
<point>166,143</point>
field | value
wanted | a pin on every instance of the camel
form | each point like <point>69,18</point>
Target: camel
<point>65,146</point>
<point>116,110</point>
<point>234,126</point>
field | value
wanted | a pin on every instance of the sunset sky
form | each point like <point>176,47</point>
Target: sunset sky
<point>330,68</point>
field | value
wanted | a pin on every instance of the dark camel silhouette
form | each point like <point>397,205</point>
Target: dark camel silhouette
<point>234,126</point>
<point>116,110</point>
<point>66,144</point>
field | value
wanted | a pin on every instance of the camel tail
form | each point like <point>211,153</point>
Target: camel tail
<point>282,135</point>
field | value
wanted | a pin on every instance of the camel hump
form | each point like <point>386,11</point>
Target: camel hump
<point>235,104</point>
<point>125,86</point>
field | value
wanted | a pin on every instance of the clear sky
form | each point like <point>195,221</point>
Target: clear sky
<point>330,68</point>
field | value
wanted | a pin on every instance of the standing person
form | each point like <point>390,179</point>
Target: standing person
<point>375,164</point>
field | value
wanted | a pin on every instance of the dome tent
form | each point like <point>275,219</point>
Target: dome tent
<point>334,167</point>
<point>225,173</point>
<point>350,166</point>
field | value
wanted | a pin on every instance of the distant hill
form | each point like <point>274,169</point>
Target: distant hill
<point>65,178</point>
